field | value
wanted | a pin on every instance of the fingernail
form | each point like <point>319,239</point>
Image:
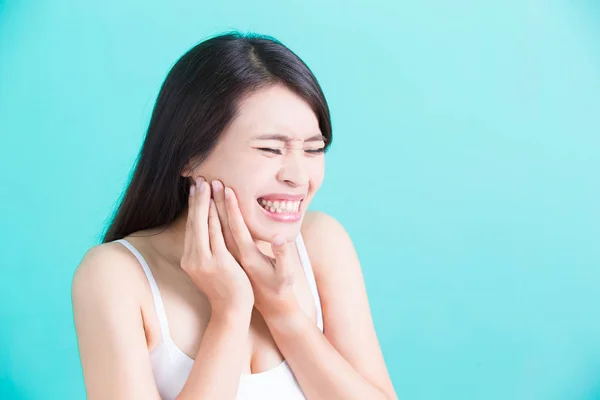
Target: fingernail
<point>278,241</point>
<point>227,193</point>
<point>192,190</point>
<point>202,187</point>
<point>215,185</point>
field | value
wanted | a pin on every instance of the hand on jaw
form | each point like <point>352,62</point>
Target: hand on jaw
<point>272,278</point>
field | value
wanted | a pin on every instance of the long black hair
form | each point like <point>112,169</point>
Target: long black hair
<point>197,101</point>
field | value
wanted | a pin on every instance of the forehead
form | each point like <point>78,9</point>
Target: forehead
<point>274,110</point>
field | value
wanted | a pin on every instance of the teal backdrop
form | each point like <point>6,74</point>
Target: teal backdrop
<point>465,167</point>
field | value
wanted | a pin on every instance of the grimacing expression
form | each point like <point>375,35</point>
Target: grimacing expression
<point>271,155</point>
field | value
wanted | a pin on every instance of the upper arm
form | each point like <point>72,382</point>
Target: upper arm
<point>347,320</point>
<point>110,333</point>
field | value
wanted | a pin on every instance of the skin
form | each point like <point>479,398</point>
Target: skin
<point>249,322</point>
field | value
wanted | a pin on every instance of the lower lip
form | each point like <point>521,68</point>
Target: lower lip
<point>284,216</point>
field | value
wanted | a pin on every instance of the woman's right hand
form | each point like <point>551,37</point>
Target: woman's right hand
<point>207,260</point>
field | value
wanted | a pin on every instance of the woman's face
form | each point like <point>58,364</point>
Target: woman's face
<point>271,156</point>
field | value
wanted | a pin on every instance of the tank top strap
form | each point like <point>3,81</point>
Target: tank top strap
<point>158,303</point>
<point>159,306</point>
<point>310,277</point>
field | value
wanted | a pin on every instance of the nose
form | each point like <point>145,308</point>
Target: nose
<point>292,171</point>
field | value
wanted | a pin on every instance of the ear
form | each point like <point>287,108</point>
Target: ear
<point>190,168</point>
<point>187,170</point>
<point>189,178</point>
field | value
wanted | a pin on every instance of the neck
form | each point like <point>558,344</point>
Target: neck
<point>170,241</point>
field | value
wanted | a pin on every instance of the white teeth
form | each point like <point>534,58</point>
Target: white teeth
<point>280,206</point>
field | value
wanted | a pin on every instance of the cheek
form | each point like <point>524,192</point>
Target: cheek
<point>246,202</point>
<point>316,174</point>
<point>244,188</point>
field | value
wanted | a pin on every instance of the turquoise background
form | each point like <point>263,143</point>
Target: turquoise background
<point>465,167</point>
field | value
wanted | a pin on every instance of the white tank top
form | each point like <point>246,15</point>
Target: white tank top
<point>171,366</point>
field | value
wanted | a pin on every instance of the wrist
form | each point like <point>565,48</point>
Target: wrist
<point>283,310</point>
<point>231,315</point>
<point>293,322</point>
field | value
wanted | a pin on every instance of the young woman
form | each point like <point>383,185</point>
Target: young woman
<point>213,280</point>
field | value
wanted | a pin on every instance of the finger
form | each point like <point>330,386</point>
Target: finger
<point>200,222</point>
<point>219,197</point>
<point>283,253</point>
<point>239,230</point>
<point>217,242</point>
<point>187,241</point>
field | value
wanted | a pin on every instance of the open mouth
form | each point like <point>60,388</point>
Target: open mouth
<point>280,206</point>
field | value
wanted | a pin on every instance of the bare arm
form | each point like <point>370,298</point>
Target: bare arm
<point>346,361</point>
<point>112,341</point>
<point>216,373</point>
<point>320,369</point>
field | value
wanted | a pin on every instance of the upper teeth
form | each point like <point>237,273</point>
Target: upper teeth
<point>280,205</point>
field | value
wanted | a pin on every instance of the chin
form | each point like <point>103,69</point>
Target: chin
<point>261,230</point>
<point>263,224</point>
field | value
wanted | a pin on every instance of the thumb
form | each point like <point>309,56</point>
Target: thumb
<point>283,258</point>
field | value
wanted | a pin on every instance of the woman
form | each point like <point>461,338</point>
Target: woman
<point>213,280</point>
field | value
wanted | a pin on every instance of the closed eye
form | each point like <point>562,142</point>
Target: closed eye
<point>278,151</point>
<point>269,150</point>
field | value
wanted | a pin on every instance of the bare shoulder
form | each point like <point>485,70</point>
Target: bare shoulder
<point>320,225</point>
<point>313,217</point>
<point>347,320</point>
<point>106,292</point>
<point>107,269</point>
<point>325,237</point>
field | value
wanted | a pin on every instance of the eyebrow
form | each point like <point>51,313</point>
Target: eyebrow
<point>284,138</point>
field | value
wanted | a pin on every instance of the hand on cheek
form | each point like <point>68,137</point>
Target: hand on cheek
<point>272,278</point>
<point>218,191</point>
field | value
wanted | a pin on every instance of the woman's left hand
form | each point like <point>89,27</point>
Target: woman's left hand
<point>272,278</point>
